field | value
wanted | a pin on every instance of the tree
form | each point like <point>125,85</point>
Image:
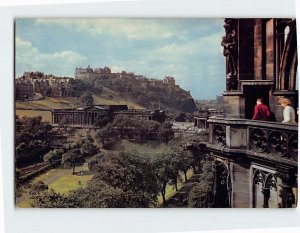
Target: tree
<point>165,132</point>
<point>133,174</point>
<point>87,146</point>
<point>202,194</point>
<point>165,172</point>
<point>86,99</point>
<point>104,134</point>
<point>72,158</point>
<point>99,195</point>
<point>183,159</point>
<point>38,188</point>
<point>33,138</point>
<point>51,199</point>
<point>53,157</point>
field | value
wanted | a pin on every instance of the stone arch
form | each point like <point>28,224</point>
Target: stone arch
<point>288,63</point>
<point>271,184</point>
<point>258,184</point>
<point>222,184</point>
<point>264,189</point>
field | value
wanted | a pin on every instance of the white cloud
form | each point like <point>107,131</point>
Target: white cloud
<point>29,58</point>
<point>130,28</point>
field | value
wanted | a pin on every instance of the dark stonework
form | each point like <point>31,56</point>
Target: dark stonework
<point>286,193</point>
<point>229,42</point>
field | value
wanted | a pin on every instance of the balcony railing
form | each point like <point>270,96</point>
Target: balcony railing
<point>268,140</point>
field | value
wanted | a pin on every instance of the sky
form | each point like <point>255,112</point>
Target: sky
<point>188,49</point>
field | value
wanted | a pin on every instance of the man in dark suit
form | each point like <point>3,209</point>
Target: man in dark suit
<point>261,111</point>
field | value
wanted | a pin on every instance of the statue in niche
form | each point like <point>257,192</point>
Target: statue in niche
<point>230,46</point>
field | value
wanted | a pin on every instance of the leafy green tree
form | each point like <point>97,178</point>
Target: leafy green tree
<point>202,194</point>
<point>86,99</point>
<point>104,134</point>
<point>183,159</point>
<point>87,146</point>
<point>133,174</point>
<point>72,159</point>
<point>99,195</point>
<point>165,132</point>
<point>53,157</point>
<point>38,188</point>
<point>33,138</point>
<point>51,199</point>
<point>165,172</point>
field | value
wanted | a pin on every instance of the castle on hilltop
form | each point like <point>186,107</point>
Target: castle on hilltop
<point>105,73</point>
<point>36,85</point>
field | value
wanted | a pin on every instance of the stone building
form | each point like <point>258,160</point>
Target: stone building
<point>256,161</point>
<point>84,116</point>
<point>24,89</point>
<point>83,73</point>
<point>104,73</point>
<point>46,85</point>
<point>139,113</point>
<point>169,80</point>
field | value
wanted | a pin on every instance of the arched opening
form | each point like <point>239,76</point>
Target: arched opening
<point>264,190</point>
<point>258,184</point>
<point>222,186</point>
<point>272,187</point>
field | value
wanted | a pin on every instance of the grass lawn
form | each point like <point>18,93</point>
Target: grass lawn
<point>69,182</point>
<point>59,179</point>
<point>170,189</point>
<point>48,103</point>
<point>46,115</point>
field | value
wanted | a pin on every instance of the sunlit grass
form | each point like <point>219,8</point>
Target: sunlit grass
<point>60,180</point>
<point>170,189</point>
<point>69,182</point>
<point>46,115</point>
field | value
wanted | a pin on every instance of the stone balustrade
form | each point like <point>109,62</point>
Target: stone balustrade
<point>268,141</point>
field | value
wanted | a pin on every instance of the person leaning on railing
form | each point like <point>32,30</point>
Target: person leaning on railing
<point>288,111</point>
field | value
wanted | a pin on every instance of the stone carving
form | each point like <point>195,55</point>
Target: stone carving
<point>278,143</point>
<point>258,140</point>
<point>271,182</point>
<point>268,181</point>
<point>286,191</point>
<point>293,147</point>
<point>219,135</point>
<point>229,42</point>
<point>259,177</point>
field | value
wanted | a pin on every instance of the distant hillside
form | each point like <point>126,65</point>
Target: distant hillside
<point>150,94</point>
<point>136,91</point>
<point>107,96</point>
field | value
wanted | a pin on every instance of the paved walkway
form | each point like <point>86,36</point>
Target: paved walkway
<point>180,199</point>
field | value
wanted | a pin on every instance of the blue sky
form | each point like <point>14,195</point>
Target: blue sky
<point>188,49</point>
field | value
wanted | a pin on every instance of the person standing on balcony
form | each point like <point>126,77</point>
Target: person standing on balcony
<point>261,111</point>
<point>288,112</point>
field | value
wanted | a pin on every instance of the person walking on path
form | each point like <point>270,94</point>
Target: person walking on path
<point>261,111</point>
<point>288,112</point>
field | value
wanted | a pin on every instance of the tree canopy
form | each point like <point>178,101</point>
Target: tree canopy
<point>33,138</point>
